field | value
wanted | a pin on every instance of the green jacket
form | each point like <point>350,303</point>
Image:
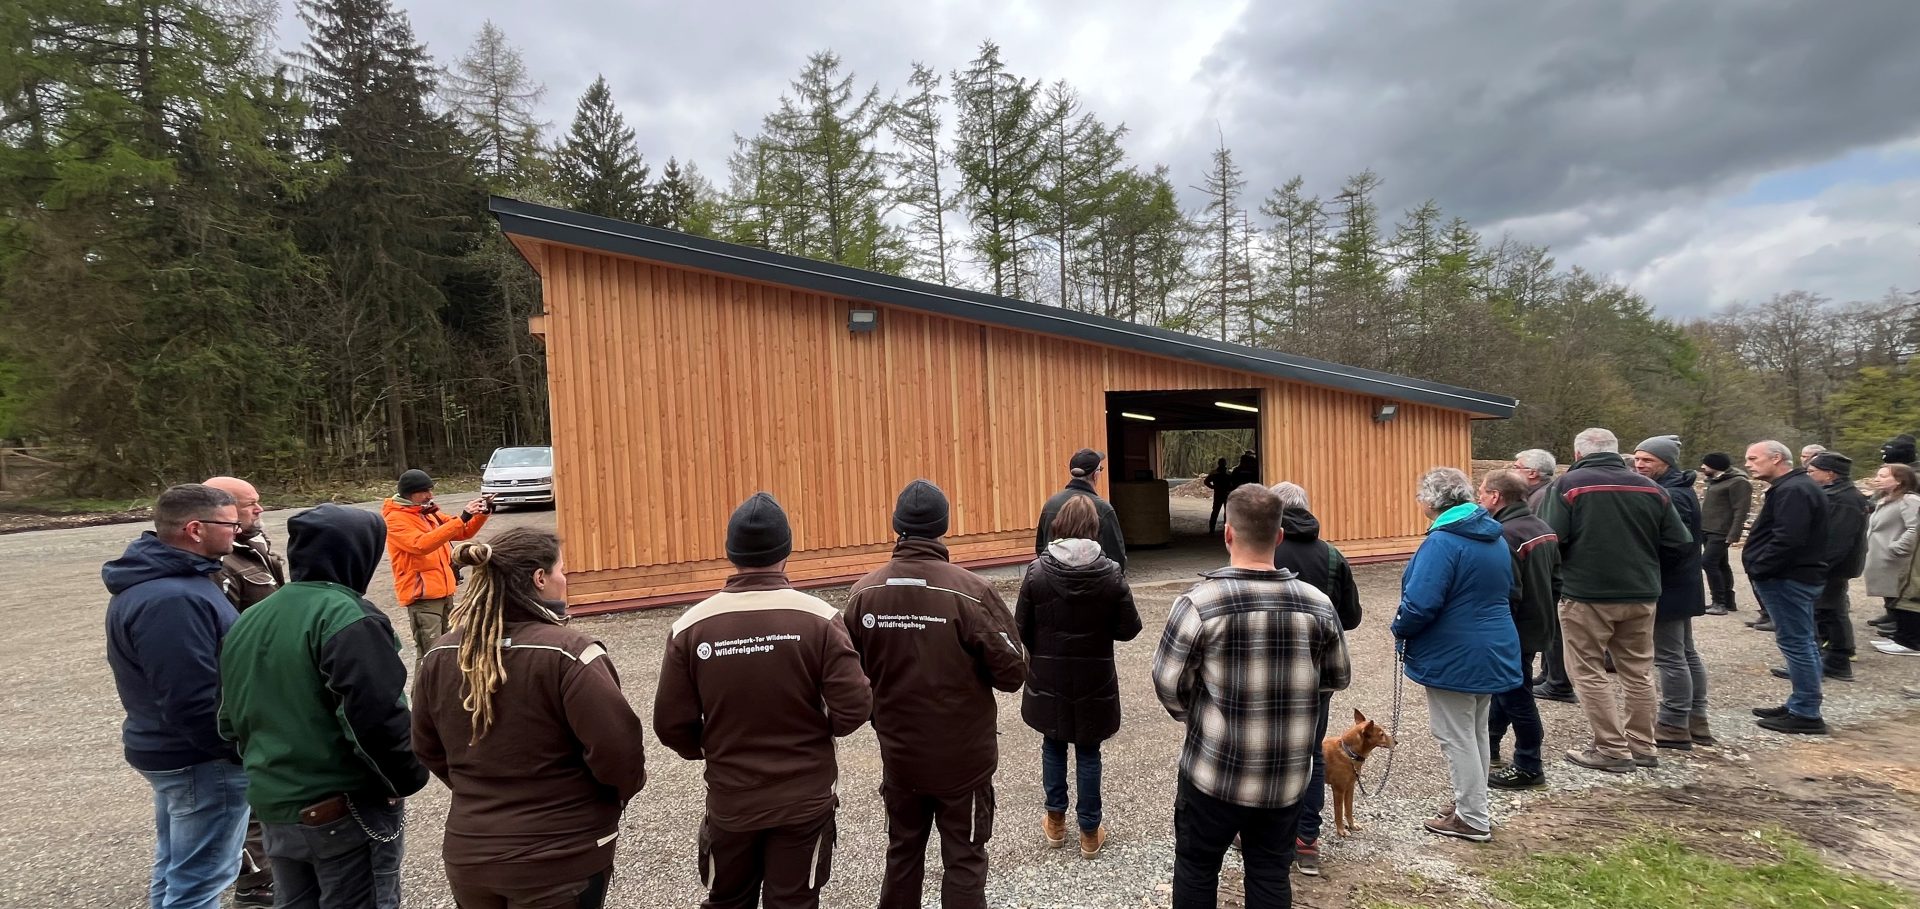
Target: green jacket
<point>313,690</point>
<point>1613,526</point>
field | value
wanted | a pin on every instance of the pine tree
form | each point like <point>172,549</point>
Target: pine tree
<point>1358,276</point>
<point>1227,273</point>
<point>598,165</point>
<point>1299,253</point>
<point>494,97</point>
<point>924,189</point>
<point>998,156</point>
<point>672,202</point>
<point>1076,180</point>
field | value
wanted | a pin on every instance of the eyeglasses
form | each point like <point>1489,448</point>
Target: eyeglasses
<point>236,525</point>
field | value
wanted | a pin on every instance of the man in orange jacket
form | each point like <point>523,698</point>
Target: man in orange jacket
<point>419,544</point>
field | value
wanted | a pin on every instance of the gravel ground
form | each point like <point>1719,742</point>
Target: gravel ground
<point>76,829</point>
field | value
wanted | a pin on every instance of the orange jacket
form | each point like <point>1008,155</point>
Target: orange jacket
<point>419,546</point>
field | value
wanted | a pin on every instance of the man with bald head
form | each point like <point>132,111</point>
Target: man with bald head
<point>1785,558</point>
<point>253,570</point>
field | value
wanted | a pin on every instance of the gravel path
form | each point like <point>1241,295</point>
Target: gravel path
<point>76,829</point>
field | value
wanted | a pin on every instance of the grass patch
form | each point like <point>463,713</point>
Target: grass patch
<point>1660,872</point>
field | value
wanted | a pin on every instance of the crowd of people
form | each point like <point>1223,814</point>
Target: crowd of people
<point>268,706</point>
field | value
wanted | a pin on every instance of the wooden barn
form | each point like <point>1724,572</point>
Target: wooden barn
<point>685,373</point>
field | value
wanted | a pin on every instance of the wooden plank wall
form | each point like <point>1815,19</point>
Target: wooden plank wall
<point>676,394</point>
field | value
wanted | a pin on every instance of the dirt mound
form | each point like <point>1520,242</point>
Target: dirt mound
<point>1195,488</point>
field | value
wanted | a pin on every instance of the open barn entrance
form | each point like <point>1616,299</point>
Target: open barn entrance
<point>1157,438</point>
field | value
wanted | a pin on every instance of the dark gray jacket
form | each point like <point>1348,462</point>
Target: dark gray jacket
<point>1111,542</point>
<point>1724,506</point>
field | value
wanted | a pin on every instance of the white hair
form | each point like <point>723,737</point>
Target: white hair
<point>1444,487</point>
<point>1810,449</point>
<point>1538,460</point>
<point>1779,450</point>
<point>1291,495</point>
<point>1595,441</point>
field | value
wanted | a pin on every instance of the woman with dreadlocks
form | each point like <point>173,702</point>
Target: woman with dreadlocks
<point>522,717</point>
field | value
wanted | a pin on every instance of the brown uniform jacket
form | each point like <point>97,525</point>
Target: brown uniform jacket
<point>537,800</point>
<point>251,571</point>
<point>936,641</point>
<point>758,680</point>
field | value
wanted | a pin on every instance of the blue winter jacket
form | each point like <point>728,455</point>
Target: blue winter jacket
<point>1454,623</point>
<point>164,626</point>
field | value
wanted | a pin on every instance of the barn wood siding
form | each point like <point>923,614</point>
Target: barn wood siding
<point>676,394</point>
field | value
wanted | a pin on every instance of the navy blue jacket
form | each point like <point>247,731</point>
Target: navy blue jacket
<point>1683,590</point>
<point>164,626</point>
<point>1454,621</point>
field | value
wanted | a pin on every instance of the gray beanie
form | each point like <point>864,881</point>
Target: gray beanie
<point>921,511</point>
<point>1666,448</point>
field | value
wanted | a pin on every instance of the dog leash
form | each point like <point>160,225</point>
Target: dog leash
<point>1393,727</point>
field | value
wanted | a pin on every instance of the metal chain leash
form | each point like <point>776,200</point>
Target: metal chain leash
<point>1393,726</point>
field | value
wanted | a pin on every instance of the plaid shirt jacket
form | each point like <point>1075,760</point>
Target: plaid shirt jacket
<point>1243,661</point>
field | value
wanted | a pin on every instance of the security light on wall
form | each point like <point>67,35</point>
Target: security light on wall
<point>1386,412</point>
<point>862,319</point>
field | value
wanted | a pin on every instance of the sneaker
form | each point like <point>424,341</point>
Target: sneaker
<point>1794,725</point>
<point>1891,649</point>
<point>1453,826</point>
<point>1054,828</point>
<point>1514,779</point>
<point>1544,692</point>
<point>1306,857</point>
<point>1678,738</point>
<point>253,898</point>
<point>1092,841</point>
<point>1770,713</point>
<point>1594,760</point>
<point>1838,670</point>
<point>1647,761</point>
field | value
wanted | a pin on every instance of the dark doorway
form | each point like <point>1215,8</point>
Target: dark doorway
<point>1141,476</point>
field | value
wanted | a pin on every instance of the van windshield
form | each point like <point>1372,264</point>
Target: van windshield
<point>522,457</point>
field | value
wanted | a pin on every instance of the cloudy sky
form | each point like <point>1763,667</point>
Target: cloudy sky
<point>1706,152</point>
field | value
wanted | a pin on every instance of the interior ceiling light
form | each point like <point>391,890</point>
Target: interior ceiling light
<point>1136,416</point>
<point>1232,406</point>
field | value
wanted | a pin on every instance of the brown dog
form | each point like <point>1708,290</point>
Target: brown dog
<point>1345,753</point>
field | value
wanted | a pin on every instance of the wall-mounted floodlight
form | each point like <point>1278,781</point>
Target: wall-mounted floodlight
<point>1232,406</point>
<point>1386,412</point>
<point>862,319</point>
<point>1136,416</point>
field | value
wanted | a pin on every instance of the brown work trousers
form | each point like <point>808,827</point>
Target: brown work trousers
<point>965,822</point>
<point>428,620</point>
<point>1592,630</point>
<point>585,894</point>
<point>778,868</point>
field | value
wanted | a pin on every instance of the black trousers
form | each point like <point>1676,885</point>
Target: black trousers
<point>1203,828</point>
<point>1553,663</point>
<point>1718,569</point>
<point>965,822</point>
<point>1833,621</point>
<point>1906,628</point>
<point>778,868</point>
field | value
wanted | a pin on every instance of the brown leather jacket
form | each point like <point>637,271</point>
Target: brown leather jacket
<point>251,571</point>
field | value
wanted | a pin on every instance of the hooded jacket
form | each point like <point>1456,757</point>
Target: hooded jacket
<point>1615,528</point>
<point>1724,507</point>
<point>252,571</point>
<point>1534,597</point>
<point>1317,562</point>
<point>935,640</point>
<point>419,544</point>
<point>1073,605</point>
<point>1111,541</point>
<point>758,680</point>
<point>1788,539</point>
<point>537,800</point>
<point>1454,623</point>
<point>1847,514</point>
<point>164,627</point>
<point>1683,588</point>
<point>313,688</point>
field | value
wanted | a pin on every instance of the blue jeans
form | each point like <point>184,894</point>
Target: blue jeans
<point>1517,709</point>
<point>1315,796</point>
<point>1790,605</point>
<point>352,863</point>
<point>199,822</point>
<point>1086,772</point>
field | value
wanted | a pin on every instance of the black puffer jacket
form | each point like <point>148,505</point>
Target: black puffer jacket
<point>1683,588</point>
<point>1074,603</point>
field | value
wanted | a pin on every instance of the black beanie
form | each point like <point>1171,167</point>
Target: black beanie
<point>921,511</point>
<point>1717,460</point>
<point>1085,462</point>
<point>758,534</point>
<point>1898,450</point>
<point>1833,462</point>
<point>415,480</point>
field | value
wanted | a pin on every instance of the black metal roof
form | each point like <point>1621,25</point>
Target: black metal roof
<point>559,225</point>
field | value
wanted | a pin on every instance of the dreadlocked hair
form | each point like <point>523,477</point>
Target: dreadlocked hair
<point>502,575</point>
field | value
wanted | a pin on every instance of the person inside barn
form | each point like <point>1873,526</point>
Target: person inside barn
<point>936,640</point>
<point>1085,465</point>
<point>757,681</point>
<point>1221,482</point>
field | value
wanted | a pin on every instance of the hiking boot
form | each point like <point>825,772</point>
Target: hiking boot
<point>1054,828</point>
<point>1453,826</point>
<point>1794,725</point>
<point>1717,609</point>
<point>1545,692</point>
<point>1092,841</point>
<point>1306,857</point>
<point>1763,625</point>
<point>254,898</point>
<point>1678,738</point>
<point>1837,668</point>
<point>1770,713</point>
<point>1514,779</point>
<point>1648,761</point>
<point>1701,734</point>
<point>1594,760</point>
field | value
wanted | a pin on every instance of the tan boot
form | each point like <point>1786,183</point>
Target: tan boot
<point>1054,827</point>
<point>1701,735</point>
<point>1092,841</point>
